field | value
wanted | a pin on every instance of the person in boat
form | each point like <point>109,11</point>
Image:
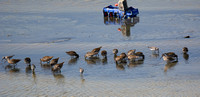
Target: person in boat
<point>123,6</point>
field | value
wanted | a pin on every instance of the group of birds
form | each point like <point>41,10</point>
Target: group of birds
<point>131,55</point>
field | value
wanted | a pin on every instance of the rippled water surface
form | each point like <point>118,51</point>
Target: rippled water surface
<point>39,28</point>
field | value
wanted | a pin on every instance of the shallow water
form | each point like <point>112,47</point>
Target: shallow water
<point>37,33</point>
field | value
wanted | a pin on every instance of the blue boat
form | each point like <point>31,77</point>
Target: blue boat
<point>111,11</point>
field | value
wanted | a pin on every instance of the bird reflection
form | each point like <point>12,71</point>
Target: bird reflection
<point>14,70</point>
<point>135,63</point>
<point>82,79</point>
<point>93,60</point>
<point>126,24</point>
<point>104,61</point>
<point>8,66</point>
<point>169,65</point>
<point>120,66</point>
<point>28,69</point>
<point>186,56</point>
<point>34,77</point>
<point>72,61</point>
<point>46,66</point>
<point>60,79</point>
<point>155,55</point>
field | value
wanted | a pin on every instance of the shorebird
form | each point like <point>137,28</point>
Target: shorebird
<point>6,57</point>
<point>133,57</point>
<point>185,50</point>
<point>27,60</point>
<point>90,54</point>
<point>33,68</point>
<point>115,51</point>
<point>140,54</point>
<point>46,59</point>
<point>72,54</point>
<point>57,67</point>
<point>96,50</point>
<point>13,61</point>
<point>104,53</point>
<point>172,57</point>
<point>154,49</point>
<point>81,70</point>
<point>54,61</point>
<point>131,52</point>
<point>120,58</point>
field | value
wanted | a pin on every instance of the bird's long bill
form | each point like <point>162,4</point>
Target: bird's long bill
<point>3,58</point>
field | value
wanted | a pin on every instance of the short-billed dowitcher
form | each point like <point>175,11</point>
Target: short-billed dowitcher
<point>104,53</point>
<point>90,54</point>
<point>96,50</point>
<point>6,57</point>
<point>171,57</point>
<point>58,67</point>
<point>185,50</point>
<point>120,58</point>
<point>54,61</point>
<point>46,59</point>
<point>131,52</point>
<point>140,54</point>
<point>72,54</point>
<point>115,51</point>
<point>133,57</point>
<point>13,61</point>
<point>27,60</point>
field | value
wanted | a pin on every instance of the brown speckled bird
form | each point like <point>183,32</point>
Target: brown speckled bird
<point>54,61</point>
<point>104,53</point>
<point>13,61</point>
<point>120,58</point>
<point>131,52</point>
<point>72,54</point>
<point>115,51</point>
<point>140,54</point>
<point>46,59</point>
<point>96,50</point>
<point>27,60</point>
<point>90,54</point>
<point>6,57</point>
<point>170,56</point>
<point>57,67</point>
<point>185,50</point>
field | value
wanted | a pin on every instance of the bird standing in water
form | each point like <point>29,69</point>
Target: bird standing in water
<point>154,49</point>
<point>96,50</point>
<point>81,70</point>
<point>13,61</point>
<point>46,59</point>
<point>27,60</point>
<point>6,57</point>
<point>72,54</point>
<point>54,61</point>
<point>104,53</point>
<point>33,68</point>
<point>57,67</point>
<point>185,50</point>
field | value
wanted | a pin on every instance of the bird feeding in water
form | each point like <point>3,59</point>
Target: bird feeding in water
<point>73,54</point>
<point>46,59</point>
